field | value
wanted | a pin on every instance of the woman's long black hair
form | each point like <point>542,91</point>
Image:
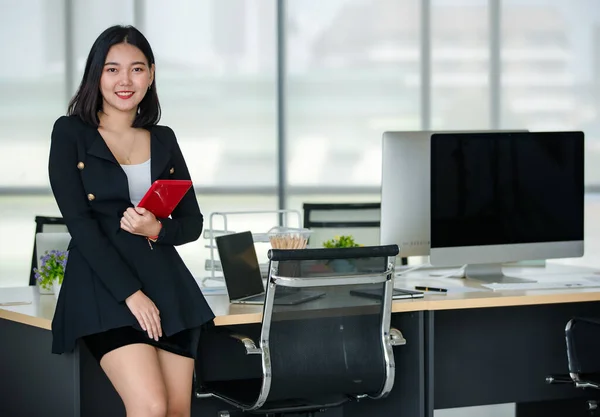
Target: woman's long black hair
<point>87,102</point>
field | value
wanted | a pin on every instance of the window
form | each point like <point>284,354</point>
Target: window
<point>32,96</point>
<point>352,73</point>
<point>32,90</point>
<point>460,65</point>
<point>217,83</point>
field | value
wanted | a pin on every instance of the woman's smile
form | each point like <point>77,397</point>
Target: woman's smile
<point>124,94</point>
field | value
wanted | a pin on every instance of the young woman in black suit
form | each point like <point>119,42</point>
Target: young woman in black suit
<point>126,292</point>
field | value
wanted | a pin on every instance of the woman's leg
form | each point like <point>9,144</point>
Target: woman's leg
<point>135,372</point>
<point>178,373</point>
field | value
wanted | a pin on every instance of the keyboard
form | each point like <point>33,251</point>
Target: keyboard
<point>549,285</point>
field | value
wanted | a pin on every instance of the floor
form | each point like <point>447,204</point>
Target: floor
<point>500,410</point>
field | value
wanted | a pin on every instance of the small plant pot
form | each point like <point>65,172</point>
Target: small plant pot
<point>56,288</point>
<point>45,291</point>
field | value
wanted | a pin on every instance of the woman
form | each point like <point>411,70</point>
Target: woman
<point>126,292</point>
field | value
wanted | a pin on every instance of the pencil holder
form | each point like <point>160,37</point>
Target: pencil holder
<point>288,237</point>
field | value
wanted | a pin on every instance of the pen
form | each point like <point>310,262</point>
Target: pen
<point>431,289</point>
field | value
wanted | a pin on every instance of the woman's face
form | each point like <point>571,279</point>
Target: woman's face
<point>125,78</point>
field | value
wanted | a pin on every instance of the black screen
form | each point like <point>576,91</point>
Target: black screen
<point>506,188</point>
<point>241,269</point>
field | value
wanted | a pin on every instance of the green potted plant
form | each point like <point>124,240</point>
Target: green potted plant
<point>50,274</point>
<point>344,241</point>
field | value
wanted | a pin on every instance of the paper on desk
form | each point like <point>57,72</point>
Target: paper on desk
<point>10,296</point>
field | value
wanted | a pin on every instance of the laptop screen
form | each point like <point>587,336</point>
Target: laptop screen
<point>240,265</point>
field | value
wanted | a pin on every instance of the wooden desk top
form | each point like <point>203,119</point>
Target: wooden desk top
<point>462,294</point>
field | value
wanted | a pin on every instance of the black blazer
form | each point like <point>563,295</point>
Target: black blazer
<point>107,264</point>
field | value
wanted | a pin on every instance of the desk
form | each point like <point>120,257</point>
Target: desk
<point>464,349</point>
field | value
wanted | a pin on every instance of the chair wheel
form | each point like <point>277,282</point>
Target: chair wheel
<point>592,405</point>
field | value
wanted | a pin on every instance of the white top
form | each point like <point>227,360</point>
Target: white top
<point>139,179</point>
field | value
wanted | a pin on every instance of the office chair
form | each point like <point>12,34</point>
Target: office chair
<point>44,224</point>
<point>583,345</point>
<point>312,356</point>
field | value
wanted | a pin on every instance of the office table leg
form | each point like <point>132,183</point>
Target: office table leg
<point>429,351</point>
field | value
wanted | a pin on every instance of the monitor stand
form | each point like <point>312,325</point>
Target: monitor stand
<point>491,273</point>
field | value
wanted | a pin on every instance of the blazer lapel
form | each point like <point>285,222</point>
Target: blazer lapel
<point>159,154</point>
<point>99,148</point>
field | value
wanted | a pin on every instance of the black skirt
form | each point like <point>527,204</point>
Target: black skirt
<point>184,343</point>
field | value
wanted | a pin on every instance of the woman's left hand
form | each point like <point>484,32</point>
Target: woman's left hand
<point>139,221</point>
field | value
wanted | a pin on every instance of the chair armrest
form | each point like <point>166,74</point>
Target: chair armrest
<point>583,343</point>
<point>249,344</point>
<point>396,338</point>
<point>589,320</point>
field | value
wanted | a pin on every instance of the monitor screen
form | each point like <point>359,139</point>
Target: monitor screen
<point>241,269</point>
<point>506,188</point>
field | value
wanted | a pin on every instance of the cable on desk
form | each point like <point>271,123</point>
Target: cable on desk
<point>460,270</point>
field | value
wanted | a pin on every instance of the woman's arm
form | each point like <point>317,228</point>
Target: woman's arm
<point>186,221</point>
<point>70,196</point>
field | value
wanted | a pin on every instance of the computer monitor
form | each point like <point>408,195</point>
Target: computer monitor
<point>405,190</point>
<point>503,197</point>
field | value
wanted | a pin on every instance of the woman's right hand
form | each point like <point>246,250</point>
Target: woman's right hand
<point>146,313</point>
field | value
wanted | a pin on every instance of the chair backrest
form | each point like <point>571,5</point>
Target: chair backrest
<point>327,220</point>
<point>336,344</point>
<point>44,224</point>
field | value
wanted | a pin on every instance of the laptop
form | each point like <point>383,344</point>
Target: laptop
<point>49,241</point>
<point>241,272</point>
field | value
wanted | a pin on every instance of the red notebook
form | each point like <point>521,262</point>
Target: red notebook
<point>163,196</point>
